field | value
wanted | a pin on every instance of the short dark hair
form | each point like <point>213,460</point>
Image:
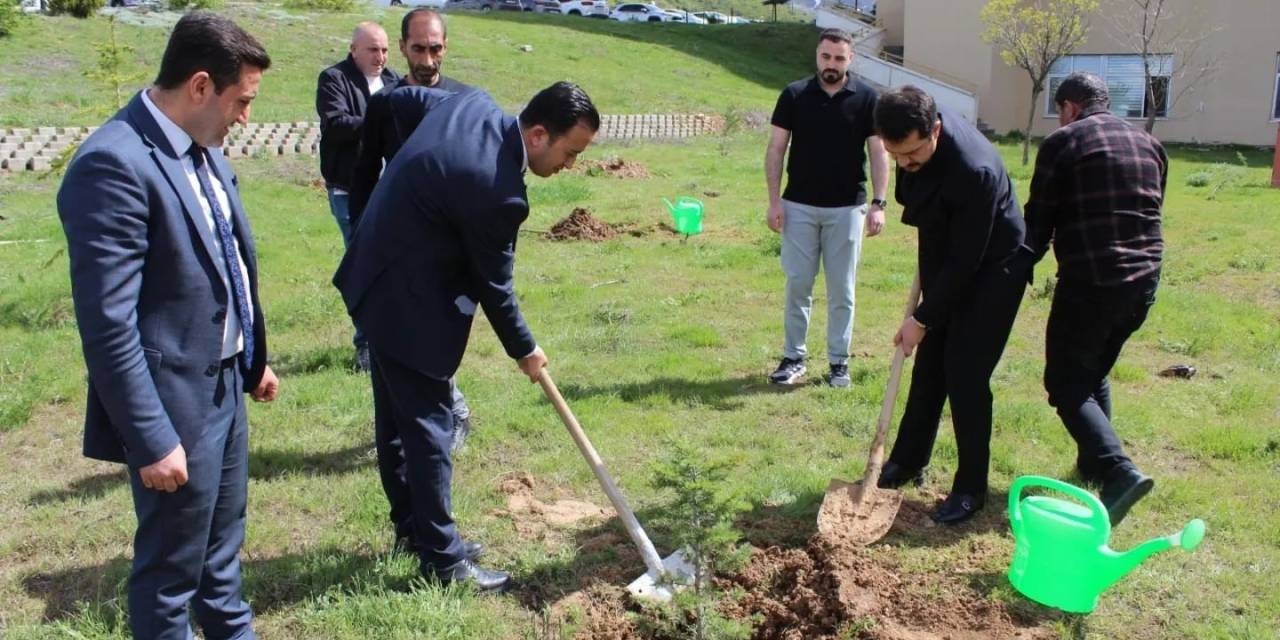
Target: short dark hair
<point>1084,89</point>
<point>903,110</point>
<point>559,107</point>
<point>835,35</point>
<point>204,41</point>
<point>423,13</point>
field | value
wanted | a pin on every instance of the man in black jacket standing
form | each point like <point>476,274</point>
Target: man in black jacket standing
<point>954,189</point>
<point>1096,195</point>
<point>342,92</point>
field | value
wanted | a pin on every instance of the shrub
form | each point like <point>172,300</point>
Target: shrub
<point>183,5</point>
<point>321,5</point>
<point>76,8</point>
<point>10,14</point>
<point>1199,179</point>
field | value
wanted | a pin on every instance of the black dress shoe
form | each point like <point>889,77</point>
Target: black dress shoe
<point>957,508</point>
<point>1122,490</point>
<point>468,572</point>
<point>895,475</point>
<point>461,429</point>
<point>472,550</point>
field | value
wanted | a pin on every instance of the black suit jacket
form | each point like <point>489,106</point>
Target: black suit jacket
<point>439,236</point>
<point>341,96</point>
<point>963,204</point>
<point>150,303</point>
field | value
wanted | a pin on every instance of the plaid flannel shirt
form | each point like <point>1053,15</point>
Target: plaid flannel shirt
<point>1096,194</point>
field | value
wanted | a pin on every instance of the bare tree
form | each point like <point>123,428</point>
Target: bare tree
<point>1153,29</point>
<point>1033,34</point>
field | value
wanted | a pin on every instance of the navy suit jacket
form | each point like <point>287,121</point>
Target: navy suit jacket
<point>149,301</point>
<point>439,236</point>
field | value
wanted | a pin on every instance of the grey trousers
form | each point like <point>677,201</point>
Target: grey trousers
<point>834,236</point>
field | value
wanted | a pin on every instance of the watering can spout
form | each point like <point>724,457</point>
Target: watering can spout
<point>1122,563</point>
<point>670,207</point>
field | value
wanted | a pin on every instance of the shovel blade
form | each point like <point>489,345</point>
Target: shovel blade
<point>856,514</point>
<point>679,573</point>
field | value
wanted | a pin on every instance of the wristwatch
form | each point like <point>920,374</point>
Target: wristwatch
<point>879,202</point>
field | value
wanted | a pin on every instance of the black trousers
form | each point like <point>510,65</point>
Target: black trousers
<point>413,427</point>
<point>1088,326</point>
<point>953,364</point>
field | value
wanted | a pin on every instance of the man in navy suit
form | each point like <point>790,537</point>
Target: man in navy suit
<point>437,239</point>
<point>164,278</point>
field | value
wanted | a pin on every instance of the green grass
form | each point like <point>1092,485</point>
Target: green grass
<point>648,337</point>
<point>626,68</point>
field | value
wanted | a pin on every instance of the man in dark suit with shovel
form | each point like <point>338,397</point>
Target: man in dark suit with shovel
<point>437,240</point>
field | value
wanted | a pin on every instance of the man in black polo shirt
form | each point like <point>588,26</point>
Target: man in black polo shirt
<point>424,41</point>
<point>827,119</point>
<point>1096,195</point>
<point>954,189</point>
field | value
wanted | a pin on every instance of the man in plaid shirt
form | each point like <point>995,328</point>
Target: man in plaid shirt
<point>1096,195</point>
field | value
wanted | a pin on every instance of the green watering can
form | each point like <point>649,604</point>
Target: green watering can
<point>687,213</point>
<point>1060,554</point>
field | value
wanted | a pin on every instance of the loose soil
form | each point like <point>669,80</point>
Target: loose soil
<point>613,167</point>
<point>534,518</point>
<point>581,225</point>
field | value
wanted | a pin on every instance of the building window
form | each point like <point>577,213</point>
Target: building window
<point>1275,101</point>
<point>1124,77</point>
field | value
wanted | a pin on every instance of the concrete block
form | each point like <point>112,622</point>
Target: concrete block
<point>38,164</point>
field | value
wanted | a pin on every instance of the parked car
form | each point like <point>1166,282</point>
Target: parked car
<point>638,12</point>
<point>588,8</point>
<point>484,5</point>
<point>680,15</point>
<point>542,6</point>
<point>431,4</point>
<point>715,17</point>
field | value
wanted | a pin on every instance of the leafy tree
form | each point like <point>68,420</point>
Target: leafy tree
<point>1031,35</point>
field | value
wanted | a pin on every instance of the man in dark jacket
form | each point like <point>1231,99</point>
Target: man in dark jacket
<point>342,92</point>
<point>954,189</point>
<point>438,240</point>
<point>1096,195</point>
<point>424,41</point>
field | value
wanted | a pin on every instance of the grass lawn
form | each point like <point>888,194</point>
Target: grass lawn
<point>626,67</point>
<point>650,338</point>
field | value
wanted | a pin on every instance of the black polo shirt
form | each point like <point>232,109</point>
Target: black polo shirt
<point>825,166</point>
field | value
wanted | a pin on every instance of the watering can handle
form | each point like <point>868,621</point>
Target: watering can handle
<point>1098,513</point>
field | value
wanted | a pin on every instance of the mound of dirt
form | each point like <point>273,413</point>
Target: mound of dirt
<point>613,167</point>
<point>581,225</point>
<point>826,588</point>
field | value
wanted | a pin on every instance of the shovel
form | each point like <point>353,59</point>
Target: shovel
<point>862,513</point>
<point>663,573</point>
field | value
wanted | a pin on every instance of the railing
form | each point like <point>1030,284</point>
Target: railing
<point>888,74</point>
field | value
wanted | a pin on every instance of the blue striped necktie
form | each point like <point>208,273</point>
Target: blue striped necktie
<point>228,252</point>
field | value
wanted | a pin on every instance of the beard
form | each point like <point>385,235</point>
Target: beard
<point>830,76</point>
<point>425,74</point>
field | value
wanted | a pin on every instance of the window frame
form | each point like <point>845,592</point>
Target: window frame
<point>1051,109</point>
<point>1275,93</point>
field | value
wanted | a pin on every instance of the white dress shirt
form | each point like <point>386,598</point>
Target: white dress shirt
<point>232,337</point>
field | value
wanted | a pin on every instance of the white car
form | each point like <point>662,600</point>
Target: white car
<point>638,12</point>
<point>432,4</point>
<point>588,8</point>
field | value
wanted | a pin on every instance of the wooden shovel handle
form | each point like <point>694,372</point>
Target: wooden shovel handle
<point>647,552</point>
<point>876,460</point>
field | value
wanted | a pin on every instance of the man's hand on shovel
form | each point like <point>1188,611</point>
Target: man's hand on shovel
<point>909,335</point>
<point>532,364</point>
